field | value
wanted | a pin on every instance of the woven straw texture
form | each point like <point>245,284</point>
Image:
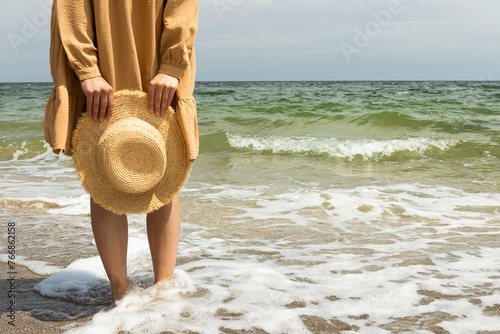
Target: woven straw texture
<point>135,162</point>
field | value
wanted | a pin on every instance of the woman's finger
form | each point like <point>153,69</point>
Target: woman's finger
<point>158,98</point>
<point>95,107</point>
<point>103,105</point>
<point>164,102</point>
<point>111,104</point>
<point>89,105</point>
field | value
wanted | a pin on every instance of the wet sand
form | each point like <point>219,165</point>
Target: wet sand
<point>32,316</point>
<point>43,237</point>
<point>29,317</point>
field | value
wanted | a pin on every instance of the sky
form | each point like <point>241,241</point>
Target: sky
<point>242,40</point>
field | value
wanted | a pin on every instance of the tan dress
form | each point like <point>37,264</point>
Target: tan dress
<point>127,42</point>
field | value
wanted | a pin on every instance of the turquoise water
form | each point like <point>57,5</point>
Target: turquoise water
<point>342,133</point>
<point>355,133</point>
<point>376,204</point>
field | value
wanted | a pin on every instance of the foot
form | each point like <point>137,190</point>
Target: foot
<point>162,286</point>
<point>119,292</point>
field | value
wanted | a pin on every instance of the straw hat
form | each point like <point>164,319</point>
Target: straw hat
<point>135,162</point>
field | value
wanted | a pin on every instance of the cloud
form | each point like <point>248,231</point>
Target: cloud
<point>295,40</point>
<point>24,41</point>
<point>421,38</point>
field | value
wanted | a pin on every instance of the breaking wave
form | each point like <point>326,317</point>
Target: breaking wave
<point>367,149</point>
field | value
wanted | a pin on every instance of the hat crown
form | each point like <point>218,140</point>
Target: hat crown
<point>133,155</point>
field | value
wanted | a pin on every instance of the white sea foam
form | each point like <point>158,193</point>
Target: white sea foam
<point>365,268</point>
<point>365,203</point>
<point>45,175</point>
<point>38,267</point>
<point>258,251</point>
<point>339,148</point>
<point>79,205</point>
<point>79,276</point>
<point>85,274</point>
<point>44,179</point>
<point>355,259</point>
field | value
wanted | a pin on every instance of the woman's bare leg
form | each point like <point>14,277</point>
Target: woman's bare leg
<point>163,227</point>
<point>111,237</point>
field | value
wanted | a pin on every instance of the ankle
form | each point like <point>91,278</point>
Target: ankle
<point>118,291</point>
<point>119,282</point>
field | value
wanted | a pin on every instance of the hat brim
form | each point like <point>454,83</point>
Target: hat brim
<point>85,139</point>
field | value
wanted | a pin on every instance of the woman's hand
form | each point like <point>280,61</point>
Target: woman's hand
<point>99,98</point>
<point>161,92</point>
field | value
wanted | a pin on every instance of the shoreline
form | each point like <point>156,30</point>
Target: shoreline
<point>41,243</point>
<point>412,263</point>
<point>29,301</point>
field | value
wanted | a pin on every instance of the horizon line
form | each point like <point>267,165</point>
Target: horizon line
<point>240,81</point>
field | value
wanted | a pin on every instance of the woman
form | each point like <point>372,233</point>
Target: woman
<point>102,46</point>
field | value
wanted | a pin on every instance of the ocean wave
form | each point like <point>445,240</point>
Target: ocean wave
<point>367,149</point>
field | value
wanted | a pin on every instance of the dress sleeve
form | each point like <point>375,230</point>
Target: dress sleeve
<point>180,22</point>
<point>75,20</point>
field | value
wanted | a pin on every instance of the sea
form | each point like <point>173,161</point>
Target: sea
<point>313,207</point>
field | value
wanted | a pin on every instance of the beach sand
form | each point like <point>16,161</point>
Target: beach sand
<point>51,243</point>
<point>27,319</point>
<point>40,237</point>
